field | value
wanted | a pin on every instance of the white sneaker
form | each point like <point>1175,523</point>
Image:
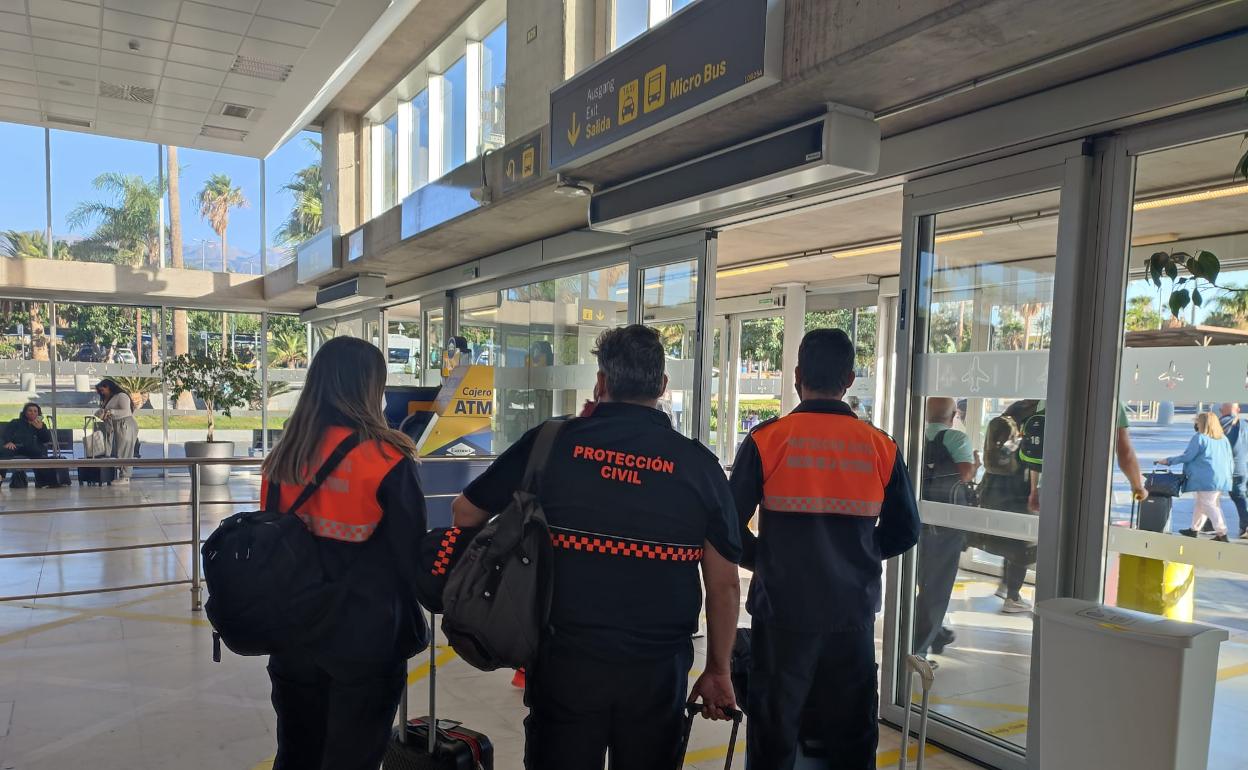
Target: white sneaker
<point>1001,592</point>
<point>1016,606</point>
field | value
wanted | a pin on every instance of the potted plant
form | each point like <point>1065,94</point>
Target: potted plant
<point>221,383</point>
<point>140,389</point>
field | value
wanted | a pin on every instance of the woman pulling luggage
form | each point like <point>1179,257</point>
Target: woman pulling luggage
<point>1207,464</point>
<point>121,430</point>
<point>336,697</point>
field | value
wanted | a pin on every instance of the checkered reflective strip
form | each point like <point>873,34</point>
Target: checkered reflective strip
<point>445,550</point>
<point>613,546</point>
<point>838,505</point>
<point>337,530</point>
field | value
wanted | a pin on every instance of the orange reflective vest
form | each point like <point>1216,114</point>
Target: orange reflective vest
<point>822,463</point>
<point>345,507</point>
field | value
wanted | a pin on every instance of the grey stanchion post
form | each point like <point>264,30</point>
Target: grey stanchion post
<point>197,603</point>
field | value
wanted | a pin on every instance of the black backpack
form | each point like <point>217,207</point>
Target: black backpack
<point>1031,449</point>
<point>267,591</point>
<point>496,605</point>
<point>942,481</point>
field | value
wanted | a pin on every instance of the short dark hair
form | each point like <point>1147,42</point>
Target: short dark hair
<point>826,358</point>
<point>631,358</point>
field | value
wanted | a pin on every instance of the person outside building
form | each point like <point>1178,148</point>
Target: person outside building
<point>634,510</point>
<point>336,697</point>
<point>834,500</point>
<point>121,430</point>
<point>1236,433</point>
<point>25,436</point>
<point>1207,464</point>
<point>1006,487</point>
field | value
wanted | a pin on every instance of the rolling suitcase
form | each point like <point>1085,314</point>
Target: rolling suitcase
<point>920,666</point>
<point>94,445</point>
<point>53,477</point>
<point>449,746</point>
<point>693,709</point>
<point>1153,514</point>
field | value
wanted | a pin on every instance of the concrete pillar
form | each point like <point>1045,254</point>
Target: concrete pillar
<point>82,383</point>
<point>28,382</point>
<point>341,171</point>
<point>547,42</point>
<point>794,329</point>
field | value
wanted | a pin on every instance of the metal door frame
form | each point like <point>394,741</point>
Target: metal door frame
<point>1068,169</point>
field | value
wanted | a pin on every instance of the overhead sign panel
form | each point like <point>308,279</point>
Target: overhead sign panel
<point>521,163</point>
<point>707,55</point>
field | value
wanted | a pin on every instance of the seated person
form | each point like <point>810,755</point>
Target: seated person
<point>27,437</point>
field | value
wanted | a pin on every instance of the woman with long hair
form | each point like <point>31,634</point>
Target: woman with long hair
<point>1207,463</point>
<point>121,430</point>
<point>336,699</point>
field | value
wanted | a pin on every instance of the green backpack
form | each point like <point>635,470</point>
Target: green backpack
<point>1031,449</point>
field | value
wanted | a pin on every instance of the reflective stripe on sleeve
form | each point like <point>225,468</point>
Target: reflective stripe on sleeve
<point>837,505</point>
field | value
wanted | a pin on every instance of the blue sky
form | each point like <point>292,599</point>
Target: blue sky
<point>77,159</point>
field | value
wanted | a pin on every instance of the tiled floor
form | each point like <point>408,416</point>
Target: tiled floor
<point>126,680</point>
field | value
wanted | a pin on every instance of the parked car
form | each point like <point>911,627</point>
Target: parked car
<point>90,354</point>
<point>126,356</point>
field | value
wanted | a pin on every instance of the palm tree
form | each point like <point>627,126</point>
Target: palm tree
<point>181,333</point>
<point>304,220</point>
<point>126,224</point>
<point>32,245</point>
<point>288,349</point>
<point>1231,308</point>
<point>216,199</point>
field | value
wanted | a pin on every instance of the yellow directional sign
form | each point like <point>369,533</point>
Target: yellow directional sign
<point>656,88</point>
<point>521,162</point>
<point>511,170</point>
<point>574,131</point>
<point>628,102</point>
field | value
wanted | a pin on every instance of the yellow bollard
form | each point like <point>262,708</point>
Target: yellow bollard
<point>1157,587</point>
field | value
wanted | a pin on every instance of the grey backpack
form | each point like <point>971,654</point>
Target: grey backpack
<point>496,604</point>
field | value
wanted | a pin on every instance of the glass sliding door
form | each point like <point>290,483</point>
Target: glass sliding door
<point>977,357</point>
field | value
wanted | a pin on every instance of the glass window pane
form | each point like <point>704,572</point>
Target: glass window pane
<point>292,178</point>
<point>1181,384</point>
<point>669,304</point>
<point>632,17</point>
<point>23,207</point>
<point>435,333</point>
<point>758,383</point>
<point>494,89</point>
<point>105,198</point>
<point>288,369</point>
<point>973,604</point>
<point>420,139</point>
<point>678,4</point>
<point>403,345</point>
<point>219,201</point>
<point>390,162</point>
<point>455,119</point>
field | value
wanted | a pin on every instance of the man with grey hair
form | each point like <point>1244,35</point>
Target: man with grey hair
<point>636,511</point>
<point>1237,434</point>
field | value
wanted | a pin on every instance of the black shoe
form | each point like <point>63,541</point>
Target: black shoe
<point>1221,539</point>
<point>1188,532</point>
<point>1243,534</point>
<point>944,638</point>
<point>19,481</point>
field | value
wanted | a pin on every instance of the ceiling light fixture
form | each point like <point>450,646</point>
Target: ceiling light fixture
<point>573,188</point>
<point>1196,196</point>
<point>259,68</point>
<point>735,271</point>
<point>1154,239</point>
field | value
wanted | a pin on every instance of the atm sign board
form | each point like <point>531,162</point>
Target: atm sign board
<point>707,55</point>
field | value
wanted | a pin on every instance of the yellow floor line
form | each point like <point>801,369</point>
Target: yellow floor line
<point>714,752</point>
<point>78,616</point>
<point>1231,672</point>
<point>104,612</point>
<point>893,756</point>
<point>422,671</point>
<point>1013,708</point>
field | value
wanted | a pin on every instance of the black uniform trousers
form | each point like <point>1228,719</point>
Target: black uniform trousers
<point>940,549</point>
<point>580,708</point>
<point>822,685</point>
<point>332,716</point>
<point>19,477</point>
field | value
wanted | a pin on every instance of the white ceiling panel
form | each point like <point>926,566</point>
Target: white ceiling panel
<point>64,32</point>
<point>297,11</point>
<point>252,85</point>
<point>270,51</point>
<point>191,117</point>
<point>167,135</point>
<point>55,55</point>
<point>120,42</point>
<point>15,115</point>
<point>187,106</point>
<point>19,102</point>
<point>81,98</point>
<point>211,39</point>
<point>282,32</point>
<point>134,24</point>
<point>200,57</point>
<point>71,69</point>
<point>14,23</point>
<point>132,61</point>
<point>161,9</point>
<point>204,75</point>
<point>121,130</point>
<point>18,74</point>
<point>175,86</point>
<point>12,42</point>
<point>15,59</point>
<point>17,89</point>
<point>64,10</point>
<point>129,78</point>
<point>79,53</point>
<point>209,17</point>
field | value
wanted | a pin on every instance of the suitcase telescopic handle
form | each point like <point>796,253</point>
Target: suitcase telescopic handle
<point>916,664</point>
<point>691,712</point>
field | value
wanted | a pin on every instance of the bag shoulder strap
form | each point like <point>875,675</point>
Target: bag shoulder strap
<point>540,455</point>
<point>335,458</point>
